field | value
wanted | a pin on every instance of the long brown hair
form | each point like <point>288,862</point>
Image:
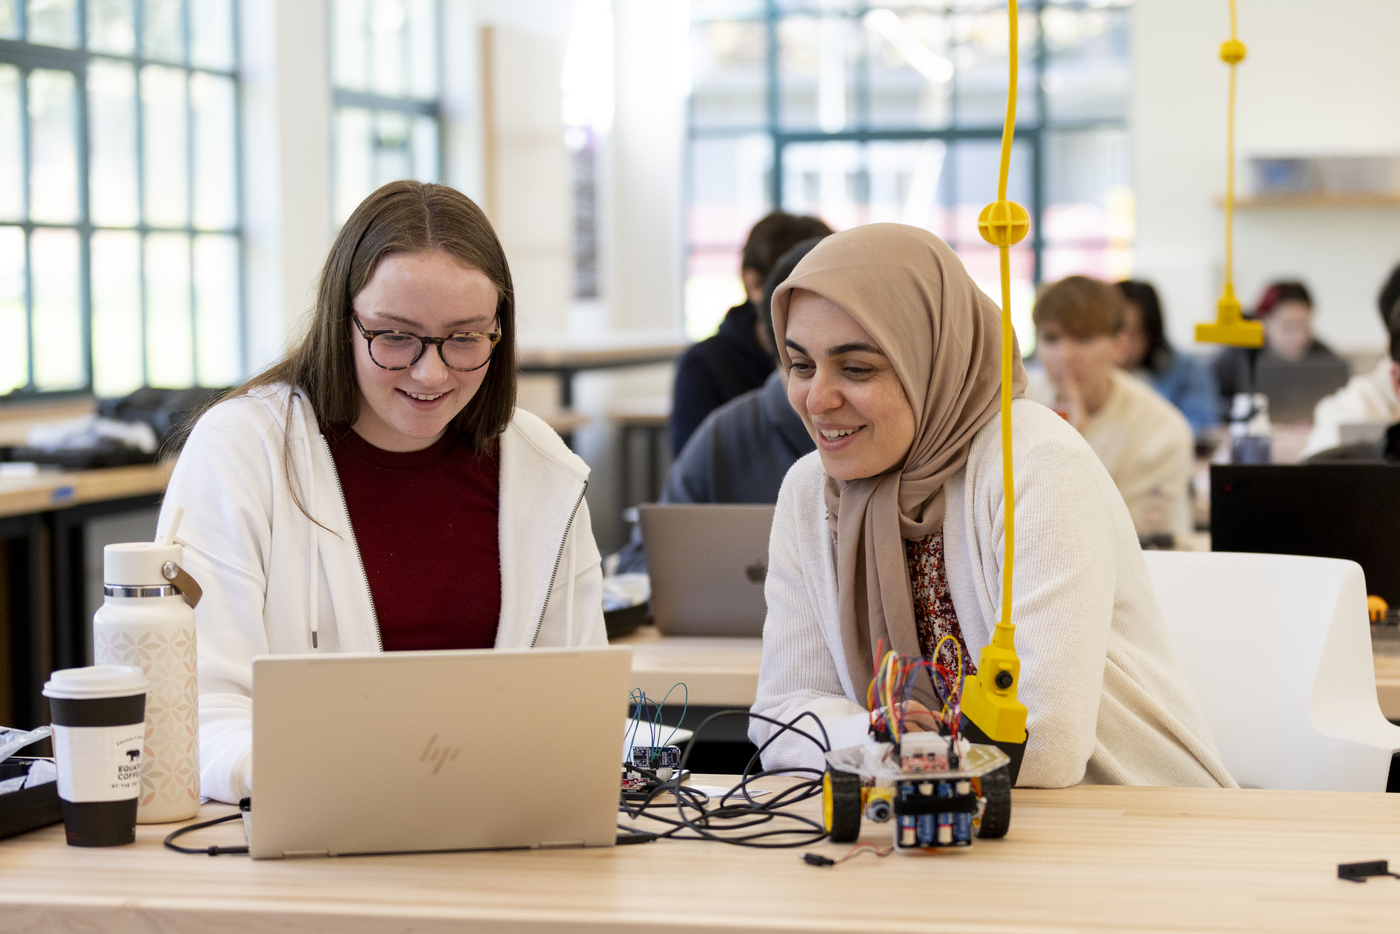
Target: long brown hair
<point>401,217</point>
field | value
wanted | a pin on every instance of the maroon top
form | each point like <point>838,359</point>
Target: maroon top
<point>426,523</point>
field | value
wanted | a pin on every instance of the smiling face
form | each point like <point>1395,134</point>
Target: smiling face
<point>432,295</point>
<point>845,389</point>
<point>1288,330</point>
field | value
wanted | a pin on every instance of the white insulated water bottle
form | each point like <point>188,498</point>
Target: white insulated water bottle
<point>147,621</point>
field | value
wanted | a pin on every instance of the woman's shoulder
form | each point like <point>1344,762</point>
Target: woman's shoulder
<point>1038,433</point>
<point>260,412</point>
<point>805,479</point>
<point>529,437</point>
<point>1146,410</point>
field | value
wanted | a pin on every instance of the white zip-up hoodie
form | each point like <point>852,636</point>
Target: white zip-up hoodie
<point>277,583</point>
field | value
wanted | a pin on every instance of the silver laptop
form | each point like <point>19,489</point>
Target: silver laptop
<point>419,751</point>
<point>1295,389</point>
<point>707,563</point>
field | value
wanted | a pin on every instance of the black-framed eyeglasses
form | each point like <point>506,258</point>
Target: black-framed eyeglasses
<point>463,351</point>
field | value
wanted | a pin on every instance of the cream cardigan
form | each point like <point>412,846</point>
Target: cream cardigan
<point>1147,447</point>
<point>1108,700</point>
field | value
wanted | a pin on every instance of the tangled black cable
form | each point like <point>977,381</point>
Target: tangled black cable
<point>725,822</point>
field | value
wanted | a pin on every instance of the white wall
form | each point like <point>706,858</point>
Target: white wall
<point>644,158</point>
<point>286,167</point>
<point>1319,79</point>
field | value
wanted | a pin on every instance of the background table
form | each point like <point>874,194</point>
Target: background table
<point>1089,858</point>
<point>719,674</point>
<point>45,612</point>
<point>564,361</point>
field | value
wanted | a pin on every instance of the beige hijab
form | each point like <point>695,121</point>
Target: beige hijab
<point>943,338</point>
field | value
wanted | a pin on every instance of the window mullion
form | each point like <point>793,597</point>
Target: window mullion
<point>27,167</point>
<point>84,221</point>
<point>143,291</point>
<point>189,193</point>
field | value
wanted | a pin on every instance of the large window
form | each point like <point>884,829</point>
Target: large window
<point>119,198</point>
<point>861,113</point>
<point>386,81</point>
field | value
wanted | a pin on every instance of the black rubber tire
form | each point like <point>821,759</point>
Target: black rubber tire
<point>842,805</point>
<point>996,816</point>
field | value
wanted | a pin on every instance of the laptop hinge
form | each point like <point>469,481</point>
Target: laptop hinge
<point>560,844</point>
<point>299,854</point>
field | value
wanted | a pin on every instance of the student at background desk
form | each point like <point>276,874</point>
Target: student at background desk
<point>1367,397</point>
<point>743,449</point>
<point>1286,309</point>
<point>377,489</point>
<point>1144,351</point>
<point>736,358</point>
<point>1143,440</point>
<point>1387,449</point>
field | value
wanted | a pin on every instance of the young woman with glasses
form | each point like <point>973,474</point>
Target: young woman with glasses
<point>377,489</point>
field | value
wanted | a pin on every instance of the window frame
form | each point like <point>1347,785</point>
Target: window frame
<point>1030,133</point>
<point>376,103</point>
<point>28,56</point>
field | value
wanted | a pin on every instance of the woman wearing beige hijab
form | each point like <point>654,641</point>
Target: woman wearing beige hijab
<point>890,534</point>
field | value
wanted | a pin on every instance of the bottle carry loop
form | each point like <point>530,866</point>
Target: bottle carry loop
<point>187,586</point>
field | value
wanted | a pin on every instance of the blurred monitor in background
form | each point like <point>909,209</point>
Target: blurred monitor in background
<point>740,355</point>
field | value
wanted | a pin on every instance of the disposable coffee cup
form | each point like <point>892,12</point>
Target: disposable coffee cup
<point>99,729</point>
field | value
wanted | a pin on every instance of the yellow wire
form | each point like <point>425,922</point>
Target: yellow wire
<point>1008,133</point>
<point>1230,169</point>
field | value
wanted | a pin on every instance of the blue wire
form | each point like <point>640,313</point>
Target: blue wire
<point>638,697</point>
<point>685,706</point>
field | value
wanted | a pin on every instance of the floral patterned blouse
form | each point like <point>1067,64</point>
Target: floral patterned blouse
<point>933,605</point>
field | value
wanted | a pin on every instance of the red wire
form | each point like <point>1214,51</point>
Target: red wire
<point>860,848</point>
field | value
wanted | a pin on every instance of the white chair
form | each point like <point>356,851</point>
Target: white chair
<point>1278,649</point>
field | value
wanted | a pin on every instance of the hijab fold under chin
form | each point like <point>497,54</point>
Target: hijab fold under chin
<point>942,335</point>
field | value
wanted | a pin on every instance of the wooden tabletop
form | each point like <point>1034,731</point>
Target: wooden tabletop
<point>647,412</point>
<point>43,492</point>
<point>718,672</point>
<point>16,418</point>
<point>1090,858</point>
<point>599,355</point>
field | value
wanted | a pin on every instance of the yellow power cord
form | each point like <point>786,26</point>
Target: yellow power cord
<point>989,701</point>
<point>1230,327</point>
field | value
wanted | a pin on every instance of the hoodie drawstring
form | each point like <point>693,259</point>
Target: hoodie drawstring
<point>308,486</point>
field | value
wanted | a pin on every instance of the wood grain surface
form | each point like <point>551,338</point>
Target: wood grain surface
<point>43,492</point>
<point>1089,858</point>
<point>717,671</point>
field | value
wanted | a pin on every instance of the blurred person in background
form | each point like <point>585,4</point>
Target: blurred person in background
<point>1286,309</point>
<point>743,449</point>
<point>1144,351</point>
<point>1141,438</point>
<point>1367,397</point>
<point>1386,449</point>
<point>736,359</point>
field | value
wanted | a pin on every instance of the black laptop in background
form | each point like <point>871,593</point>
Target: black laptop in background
<point>1325,510</point>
